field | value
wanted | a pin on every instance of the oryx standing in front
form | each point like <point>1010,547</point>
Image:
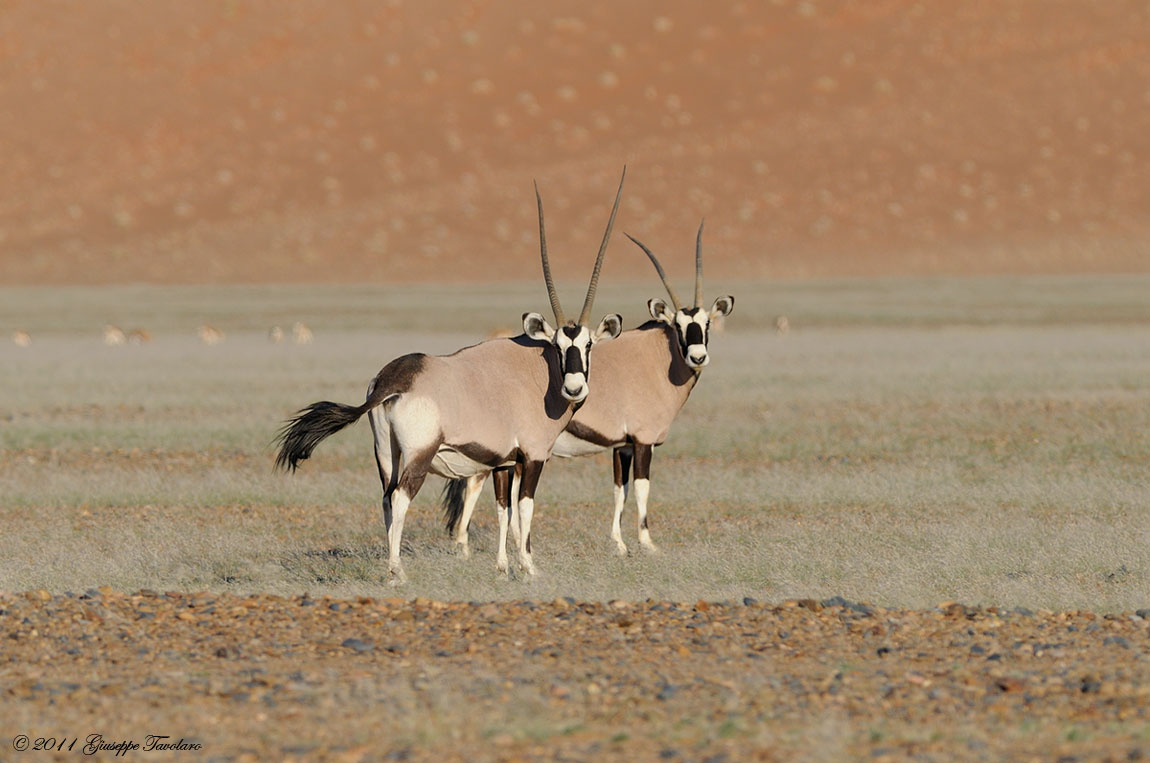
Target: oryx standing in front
<point>642,380</point>
<point>498,403</point>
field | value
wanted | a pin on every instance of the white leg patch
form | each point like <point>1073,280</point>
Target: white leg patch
<point>515,507</point>
<point>616,530</point>
<point>642,490</point>
<point>504,513</point>
<point>474,486</point>
<point>526,510</point>
<point>399,503</point>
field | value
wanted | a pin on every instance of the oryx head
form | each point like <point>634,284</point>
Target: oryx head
<point>692,324</point>
<point>574,339</point>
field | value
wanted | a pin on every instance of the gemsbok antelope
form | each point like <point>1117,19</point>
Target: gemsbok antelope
<point>642,380</point>
<point>497,403</point>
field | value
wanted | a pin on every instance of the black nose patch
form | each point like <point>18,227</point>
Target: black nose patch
<point>573,362</point>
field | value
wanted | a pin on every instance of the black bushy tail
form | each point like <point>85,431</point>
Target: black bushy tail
<point>452,500</point>
<point>310,426</point>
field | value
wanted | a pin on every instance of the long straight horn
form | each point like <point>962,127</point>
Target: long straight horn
<point>658,269</point>
<point>699,266</point>
<point>602,250</point>
<point>551,293</point>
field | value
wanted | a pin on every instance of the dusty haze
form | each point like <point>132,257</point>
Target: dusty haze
<point>216,142</point>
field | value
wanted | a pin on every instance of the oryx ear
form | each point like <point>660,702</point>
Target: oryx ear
<point>608,329</point>
<point>722,306</point>
<point>536,327</point>
<point>660,312</point>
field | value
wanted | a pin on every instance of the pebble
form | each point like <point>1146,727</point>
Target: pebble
<point>358,645</point>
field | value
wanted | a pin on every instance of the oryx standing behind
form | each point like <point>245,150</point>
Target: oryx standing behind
<point>642,380</point>
<point>497,403</point>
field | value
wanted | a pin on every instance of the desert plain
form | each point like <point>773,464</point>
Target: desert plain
<point>911,526</point>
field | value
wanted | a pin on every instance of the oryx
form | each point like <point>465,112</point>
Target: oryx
<point>642,380</point>
<point>493,404</point>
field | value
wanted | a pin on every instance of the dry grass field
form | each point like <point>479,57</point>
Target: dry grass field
<point>907,442</point>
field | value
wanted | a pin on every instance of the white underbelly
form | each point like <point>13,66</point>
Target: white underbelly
<point>570,446</point>
<point>452,464</point>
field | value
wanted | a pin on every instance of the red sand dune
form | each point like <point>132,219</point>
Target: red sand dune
<point>289,140</point>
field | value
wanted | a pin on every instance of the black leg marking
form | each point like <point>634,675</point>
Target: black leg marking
<point>530,480</point>
<point>501,482</point>
<point>621,460</point>
<point>643,461</point>
<point>415,471</point>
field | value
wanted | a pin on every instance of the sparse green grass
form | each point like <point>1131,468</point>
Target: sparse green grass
<point>910,441</point>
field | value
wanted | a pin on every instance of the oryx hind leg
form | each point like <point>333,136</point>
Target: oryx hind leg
<point>386,460</point>
<point>470,498</point>
<point>410,481</point>
<point>621,461</point>
<point>642,491</point>
<point>416,436</point>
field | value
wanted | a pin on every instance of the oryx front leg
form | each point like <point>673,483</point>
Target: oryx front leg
<point>470,498</point>
<point>513,501</point>
<point>621,461</point>
<point>527,485</point>
<point>642,490</point>
<point>501,480</point>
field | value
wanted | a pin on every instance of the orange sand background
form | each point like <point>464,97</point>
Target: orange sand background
<point>299,141</point>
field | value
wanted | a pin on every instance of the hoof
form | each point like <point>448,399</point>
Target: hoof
<point>620,548</point>
<point>502,566</point>
<point>651,548</point>
<point>464,550</point>
<point>397,577</point>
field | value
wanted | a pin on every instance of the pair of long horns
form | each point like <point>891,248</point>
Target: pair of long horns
<point>554,296</point>
<point>662,275</point>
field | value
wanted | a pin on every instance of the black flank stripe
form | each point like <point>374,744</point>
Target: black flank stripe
<point>588,434</point>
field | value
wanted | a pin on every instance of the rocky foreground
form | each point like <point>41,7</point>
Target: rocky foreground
<point>228,677</point>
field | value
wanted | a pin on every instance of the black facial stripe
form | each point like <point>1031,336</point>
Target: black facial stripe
<point>571,332</point>
<point>573,361</point>
<point>694,334</point>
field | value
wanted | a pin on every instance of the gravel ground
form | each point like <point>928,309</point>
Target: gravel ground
<point>266,677</point>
